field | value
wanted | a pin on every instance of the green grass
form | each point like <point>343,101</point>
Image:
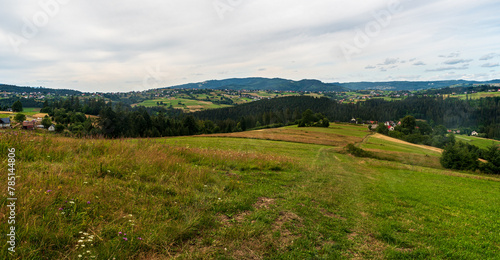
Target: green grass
<point>233,198</point>
<point>181,103</point>
<point>482,143</point>
<point>379,144</point>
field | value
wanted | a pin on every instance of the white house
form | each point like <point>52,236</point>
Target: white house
<point>474,133</point>
<point>52,128</point>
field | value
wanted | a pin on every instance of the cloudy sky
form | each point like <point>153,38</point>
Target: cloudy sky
<point>127,45</point>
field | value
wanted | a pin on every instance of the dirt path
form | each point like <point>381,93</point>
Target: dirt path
<point>435,149</point>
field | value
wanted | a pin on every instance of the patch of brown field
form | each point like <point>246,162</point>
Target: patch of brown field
<point>408,158</point>
<point>195,107</point>
<point>41,115</point>
<point>294,135</point>
<point>331,215</point>
<point>249,250</point>
<point>263,203</point>
<point>366,243</point>
<point>7,113</point>
<point>286,236</point>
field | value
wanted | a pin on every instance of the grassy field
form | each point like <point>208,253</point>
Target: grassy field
<point>207,197</point>
<point>477,141</point>
<point>475,95</point>
<point>182,103</point>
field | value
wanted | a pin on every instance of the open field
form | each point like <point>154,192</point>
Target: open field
<point>333,136</point>
<point>475,95</point>
<point>207,197</point>
<point>190,105</point>
<point>482,143</point>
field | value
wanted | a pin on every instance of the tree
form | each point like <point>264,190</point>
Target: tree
<point>382,129</point>
<point>307,117</point>
<point>409,122</point>
<point>59,128</point>
<point>17,106</point>
<point>20,118</point>
<point>46,122</point>
<point>492,155</point>
<point>457,156</point>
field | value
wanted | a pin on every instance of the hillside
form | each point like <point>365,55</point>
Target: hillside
<point>17,89</point>
<point>246,197</point>
<point>265,84</point>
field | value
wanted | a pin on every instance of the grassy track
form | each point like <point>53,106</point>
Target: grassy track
<point>240,198</point>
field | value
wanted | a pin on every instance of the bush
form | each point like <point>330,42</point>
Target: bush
<point>59,128</point>
<point>458,157</point>
<point>358,152</point>
<point>492,155</point>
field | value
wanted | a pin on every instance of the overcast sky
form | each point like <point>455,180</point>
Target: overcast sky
<point>127,45</point>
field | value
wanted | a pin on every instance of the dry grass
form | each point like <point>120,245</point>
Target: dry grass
<point>295,135</point>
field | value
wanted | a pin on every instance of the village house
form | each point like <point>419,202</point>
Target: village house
<point>30,125</point>
<point>474,133</point>
<point>4,122</point>
<point>52,128</point>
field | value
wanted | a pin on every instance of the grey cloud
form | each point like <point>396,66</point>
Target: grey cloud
<point>451,55</point>
<point>457,61</point>
<point>490,65</point>
<point>370,67</point>
<point>390,61</point>
<point>464,67</point>
<point>419,63</point>
<point>489,56</point>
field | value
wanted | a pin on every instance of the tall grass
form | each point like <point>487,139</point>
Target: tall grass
<point>156,194</point>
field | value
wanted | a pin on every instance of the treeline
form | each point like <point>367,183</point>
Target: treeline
<point>456,155</point>
<point>481,114</point>
<point>463,156</point>
<point>115,120</point>
<point>418,132</point>
<point>6,103</point>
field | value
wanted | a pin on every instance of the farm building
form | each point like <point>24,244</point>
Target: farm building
<point>29,124</point>
<point>4,122</point>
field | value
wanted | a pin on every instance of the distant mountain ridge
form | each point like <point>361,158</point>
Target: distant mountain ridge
<point>413,85</point>
<point>265,84</point>
<point>13,88</point>
<point>316,85</point>
<point>278,84</point>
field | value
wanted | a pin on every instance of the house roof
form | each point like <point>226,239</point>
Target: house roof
<point>29,123</point>
<point>4,120</point>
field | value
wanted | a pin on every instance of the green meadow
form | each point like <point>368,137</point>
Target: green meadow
<point>236,198</point>
<point>482,143</point>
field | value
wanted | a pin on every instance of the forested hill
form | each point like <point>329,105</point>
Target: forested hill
<point>316,85</point>
<point>452,113</point>
<point>265,84</point>
<point>413,85</point>
<point>17,89</point>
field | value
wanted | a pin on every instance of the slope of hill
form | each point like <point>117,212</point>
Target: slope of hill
<point>234,198</point>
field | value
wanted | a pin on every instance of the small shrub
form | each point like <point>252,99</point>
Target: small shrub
<point>358,152</point>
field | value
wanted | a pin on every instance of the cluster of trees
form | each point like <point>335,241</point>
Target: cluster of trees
<point>481,114</point>
<point>311,119</point>
<point>418,132</point>
<point>462,156</point>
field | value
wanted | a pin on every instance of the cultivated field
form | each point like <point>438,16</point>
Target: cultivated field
<point>208,197</point>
